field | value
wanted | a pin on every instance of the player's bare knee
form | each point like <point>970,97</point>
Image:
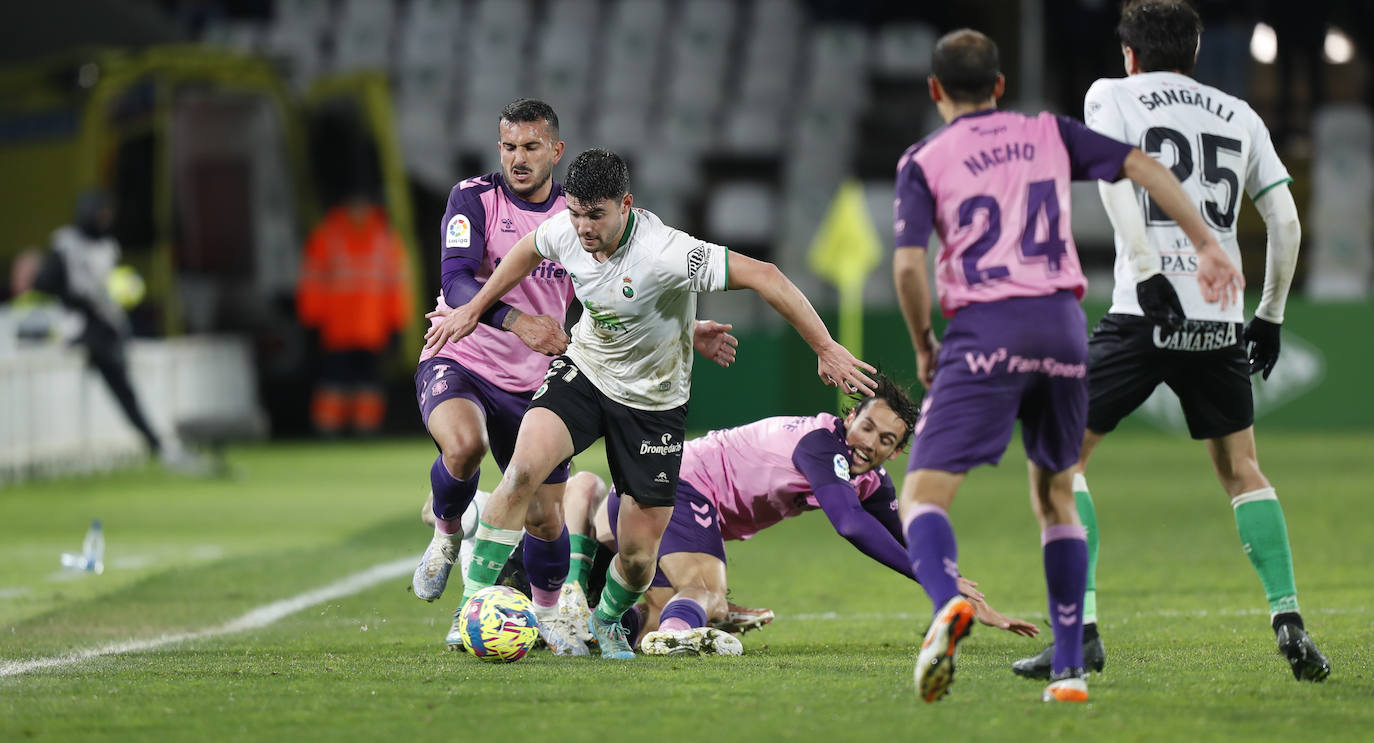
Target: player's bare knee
<point>583,493</point>
<point>542,526</point>
<point>463,455</point>
<point>520,479</point>
<point>637,565</point>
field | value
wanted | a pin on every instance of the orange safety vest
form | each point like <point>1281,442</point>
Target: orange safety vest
<point>353,286</point>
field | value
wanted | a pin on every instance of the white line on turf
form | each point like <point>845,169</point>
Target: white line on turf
<point>255,619</point>
<point>831,616</point>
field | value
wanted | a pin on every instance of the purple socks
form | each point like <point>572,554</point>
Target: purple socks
<point>933,552</point>
<point>451,495</point>
<point>1066,576</point>
<point>547,564</point>
<point>682,613</point>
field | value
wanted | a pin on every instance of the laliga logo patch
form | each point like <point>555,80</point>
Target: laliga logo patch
<point>842,467</point>
<point>459,232</point>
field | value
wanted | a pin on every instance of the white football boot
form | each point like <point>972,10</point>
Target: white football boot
<point>694,641</point>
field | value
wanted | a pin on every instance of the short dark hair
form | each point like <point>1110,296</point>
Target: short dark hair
<point>1162,33</point>
<point>966,64</point>
<point>596,175</point>
<point>896,398</point>
<point>522,110</point>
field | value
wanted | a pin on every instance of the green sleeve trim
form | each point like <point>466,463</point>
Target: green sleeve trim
<point>536,243</point>
<point>1270,187</point>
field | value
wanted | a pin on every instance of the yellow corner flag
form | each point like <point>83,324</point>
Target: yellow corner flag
<point>845,249</point>
<point>844,252</point>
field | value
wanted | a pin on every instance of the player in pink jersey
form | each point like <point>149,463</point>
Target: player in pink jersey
<point>996,187</point>
<point>739,481</point>
<point>473,392</point>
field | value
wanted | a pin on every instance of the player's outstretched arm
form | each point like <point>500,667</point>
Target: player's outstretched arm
<point>836,366</point>
<point>1280,217</point>
<point>1218,278</point>
<point>983,612</point>
<point>461,321</point>
<point>713,340</point>
<point>913,294</point>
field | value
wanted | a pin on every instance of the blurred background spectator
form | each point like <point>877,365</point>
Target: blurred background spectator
<point>355,300</point>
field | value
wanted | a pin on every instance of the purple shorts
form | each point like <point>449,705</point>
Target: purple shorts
<point>439,379</point>
<point>694,527</point>
<point>1023,358</point>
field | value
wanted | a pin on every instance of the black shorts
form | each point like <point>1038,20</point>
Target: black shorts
<point>643,447</point>
<point>1204,364</point>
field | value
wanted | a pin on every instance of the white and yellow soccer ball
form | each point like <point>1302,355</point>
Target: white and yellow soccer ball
<point>498,625</point>
<point>126,287</point>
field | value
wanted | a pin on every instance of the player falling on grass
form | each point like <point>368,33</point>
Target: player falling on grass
<point>1216,145</point>
<point>627,372</point>
<point>739,481</point>
<point>473,391</point>
<point>995,185</point>
<point>584,512</point>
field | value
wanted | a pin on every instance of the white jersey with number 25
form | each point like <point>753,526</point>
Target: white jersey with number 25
<point>1214,143</point>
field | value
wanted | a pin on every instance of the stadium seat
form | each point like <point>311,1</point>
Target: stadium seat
<point>741,212</point>
<point>838,58</point>
<point>633,45</point>
<point>241,36</point>
<point>689,129</point>
<point>625,130</point>
<point>698,53</point>
<point>753,129</point>
<point>427,35</point>
<point>304,13</point>
<point>903,49</point>
<point>666,170</point>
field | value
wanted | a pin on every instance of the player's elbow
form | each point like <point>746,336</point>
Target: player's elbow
<point>764,275</point>
<point>847,526</point>
<point>1287,231</point>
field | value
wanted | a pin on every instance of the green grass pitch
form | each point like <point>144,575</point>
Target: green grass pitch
<point>1190,653</point>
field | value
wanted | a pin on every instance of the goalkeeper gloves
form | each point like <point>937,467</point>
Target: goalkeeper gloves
<point>1159,302</point>
<point>1262,340</point>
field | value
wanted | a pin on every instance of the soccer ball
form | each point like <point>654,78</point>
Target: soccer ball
<point>126,287</point>
<point>498,625</point>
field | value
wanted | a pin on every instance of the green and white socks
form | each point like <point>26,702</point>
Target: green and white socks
<point>1264,537</point>
<point>489,555</point>
<point>583,550</point>
<point>1088,515</point>
<point>618,595</point>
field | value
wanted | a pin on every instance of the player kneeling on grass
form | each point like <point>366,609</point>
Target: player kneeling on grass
<point>739,481</point>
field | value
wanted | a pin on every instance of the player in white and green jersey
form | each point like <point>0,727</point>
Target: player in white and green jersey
<point>627,373</point>
<point>1217,147</point>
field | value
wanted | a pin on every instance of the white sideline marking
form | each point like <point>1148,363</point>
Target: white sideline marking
<point>832,616</point>
<point>255,619</point>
